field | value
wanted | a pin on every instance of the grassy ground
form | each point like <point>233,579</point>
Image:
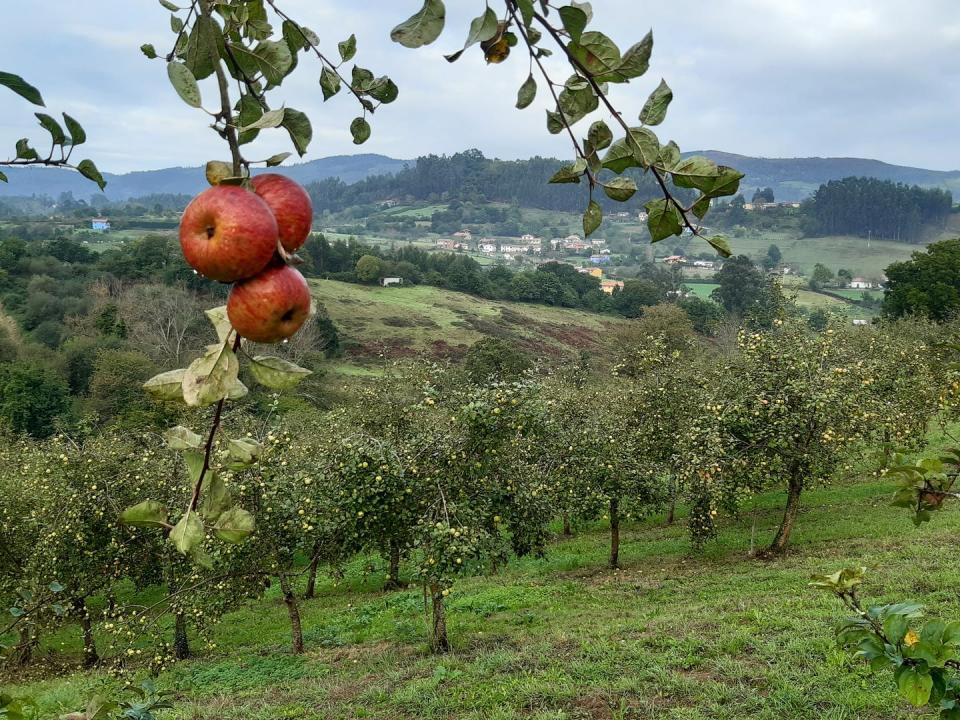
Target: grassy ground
<point>418,319</point>
<point>804,298</point>
<point>674,634</point>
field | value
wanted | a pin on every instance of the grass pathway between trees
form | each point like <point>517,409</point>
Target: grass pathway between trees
<point>673,634</point>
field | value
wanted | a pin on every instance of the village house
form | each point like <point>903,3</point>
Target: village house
<point>464,235</point>
<point>608,285</point>
<point>704,264</point>
<point>675,260</point>
<point>487,247</point>
<point>577,245</point>
<point>642,216</point>
<point>859,283</point>
<point>592,272</point>
<point>600,259</point>
<point>100,224</point>
<point>387,281</point>
<point>530,238</point>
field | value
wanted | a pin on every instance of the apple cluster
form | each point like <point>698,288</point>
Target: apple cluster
<point>234,235</point>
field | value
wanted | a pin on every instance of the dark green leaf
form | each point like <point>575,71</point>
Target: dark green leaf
<point>169,5</point>
<point>663,219</point>
<point>275,61</point>
<point>554,122</point>
<point>184,83</point>
<point>527,92</point>
<point>640,148</point>
<point>570,173</point>
<point>329,83</point>
<point>250,112</point>
<point>636,60</point>
<point>422,28</point>
<point>655,109</point>
<point>214,498</point>
<point>77,134</point>
<point>21,87</point>
<point>348,48</point>
<point>384,90</point>
<point>599,135</point>
<point>203,46</point>
<point>24,151</point>
<point>176,24</point>
<point>360,129</point>
<point>914,685</point>
<point>596,52</point>
<point>148,50</point>
<point>188,533</point>
<point>234,525</point>
<point>90,172</point>
<point>574,21</point>
<point>669,156</point>
<point>482,28</point>
<point>721,245</point>
<point>52,127</point>
<point>592,218</point>
<point>701,206</point>
<point>298,125</point>
<point>3,177</point>
<point>620,189</point>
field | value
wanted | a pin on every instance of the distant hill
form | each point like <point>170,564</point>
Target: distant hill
<point>798,178</point>
<point>185,180</point>
<point>790,178</point>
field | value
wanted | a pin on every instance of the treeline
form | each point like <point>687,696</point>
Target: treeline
<point>551,283</point>
<point>868,207</point>
<point>471,177</point>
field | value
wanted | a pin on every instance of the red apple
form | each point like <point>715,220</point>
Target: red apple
<point>270,306</point>
<point>291,207</point>
<point>228,233</point>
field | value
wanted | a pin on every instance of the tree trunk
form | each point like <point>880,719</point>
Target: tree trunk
<point>671,516</point>
<point>614,533</point>
<point>567,532</point>
<point>779,544</point>
<point>312,577</point>
<point>181,644</point>
<point>393,574</point>
<point>296,630</point>
<point>438,638</point>
<point>24,650</point>
<point>90,656</point>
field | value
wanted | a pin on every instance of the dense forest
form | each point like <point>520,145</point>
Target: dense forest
<point>876,208</point>
<point>469,176</point>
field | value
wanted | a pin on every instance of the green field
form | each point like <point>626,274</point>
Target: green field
<point>674,634</point>
<point>804,298</point>
<point>420,319</point>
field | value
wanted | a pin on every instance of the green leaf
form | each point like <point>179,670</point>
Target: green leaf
<point>596,52</point>
<point>55,587</point>
<point>574,21</point>
<point>275,61</point>
<point>706,176</point>
<point>599,135</point>
<point>21,87</point>
<point>482,28</point>
<point>90,172</point>
<point>277,159</point>
<point>298,125</point>
<point>148,513</point>
<point>24,150</point>
<point>721,245</point>
<point>270,119</point>
<point>527,92</point>
<point>181,438</point>
<point>234,525</point>
<point>3,177</point>
<point>249,111</point>
<point>329,83</point>
<point>592,218</point>
<point>244,452</point>
<point>570,173</point>
<point>360,129</point>
<point>348,48</point>
<point>312,38</point>
<point>176,24</point>
<point>148,50</point>
<point>194,460</point>
<point>167,385</point>
<point>914,685</point>
<point>52,127</point>
<point>663,219</point>
<point>203,45</point>
<point>214,498</point>
<point>620,189</point>
<point>422,28</point>
<point>237,390</point>
<point>77,134</point>
<point>655,109</point>
<point>184,83</point>
<point>636,60</point>
<point>554,122</point>
<point>384,90</point>
<point>169,5</point>
<point>276,373</point>
<point>208,379</point>
<point>701,206</point>
<point>639,148</point>
<point>575,104</point>
<point>669,156</point>
<point>187,535</point>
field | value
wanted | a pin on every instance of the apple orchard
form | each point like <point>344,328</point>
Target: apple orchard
<point>429,471</point>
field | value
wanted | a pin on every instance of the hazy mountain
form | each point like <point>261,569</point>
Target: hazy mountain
<point>797,178</point>
<point>26,181</point>
<point>790,178</point>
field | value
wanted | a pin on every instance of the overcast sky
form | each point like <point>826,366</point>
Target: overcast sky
<point>776,78</point>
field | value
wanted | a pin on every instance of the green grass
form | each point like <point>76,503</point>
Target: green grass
<point>421,319</point>
<point>674,634</point>
<point>804,298</point>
